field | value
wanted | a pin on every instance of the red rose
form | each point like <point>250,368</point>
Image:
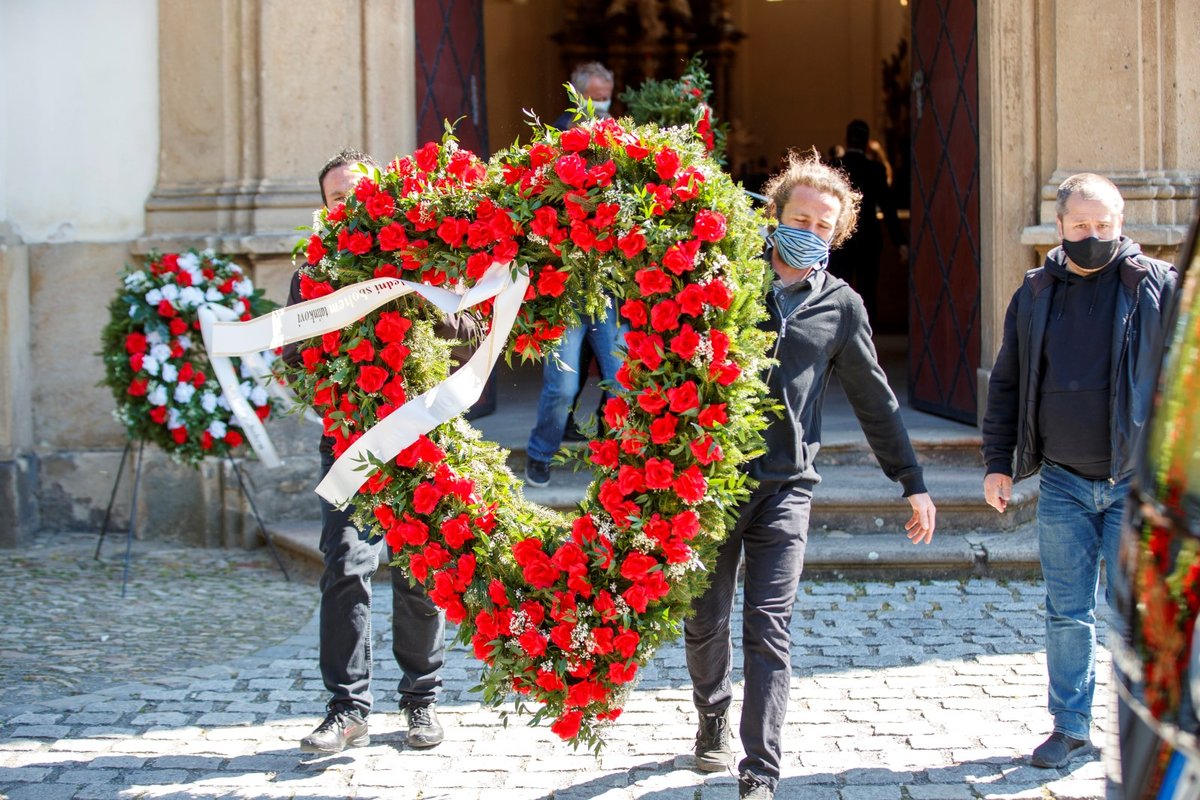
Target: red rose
<point>709,225</point>
<point>362,352</point>
<point>331,342</point>
<point>659,473</point>
<point>688,185</point>
<point>393,390</point>
<point>179,434</point>
<point>364,190</point>
<point>678,259</point>
<point>632,243</point>
<point>170,262</point>
<point>666,163</point>
<point>575,140</point>
<point>624,376</point>
<point>664,316</point>
<point>136,360</point>
<point>310,289</point>
<point>712,416</point>
<point>706,450</point>
<point>605,214</point>
<point>453,230</point>
<point>571,170</point>
<point>583,236</point>
<point>630,480</point>
<point>662,430</point>
<point>233,438</point>
<point>391,326</point>
<point>616,410</point>
<point>427,157</point>
<point>533,642</point>
<point>337,213</point>
<point>602,174</point>
<point>684,398</point>
<point>137,387</point>
<point>380,205</point>
<point>316,250</point>
<point>691,300</point>
<point>604,453</point>
<point>626,642</point>
<point>371,379</point>
<point>159,414</point>
<point>135,343</point>
<point>685,342</point>
<point>691,485</point>
<point>719,341</point>
<point>359,242</point>
<point>636,151</point>
<point>567,726</point>
<point>621,673</point>
<point>165,309</point>
<point>726,373</point>
<point>635,312</point>
<point>177,326</point>
<point>425,498</point>
<point>551,281</point>
<point>652,401</point>
<point>412,531</point>
<point>718,294</point>
<point>652,281</point>
<point>391,237</point>
<point>636,566</point>
<point>457,531</point>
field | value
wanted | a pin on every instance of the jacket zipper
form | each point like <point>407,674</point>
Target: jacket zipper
<point>1112,469</point>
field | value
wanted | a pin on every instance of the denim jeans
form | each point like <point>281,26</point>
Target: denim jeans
<point>1079,522</point>
<point>561,380</point>
<point>418,627</point>
<point>772,528</point>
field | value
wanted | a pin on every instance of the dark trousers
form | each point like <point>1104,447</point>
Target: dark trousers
<point>772,531</point>
<point>418,627</point>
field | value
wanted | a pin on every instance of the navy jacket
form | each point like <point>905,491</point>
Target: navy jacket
<point>1011,439</point>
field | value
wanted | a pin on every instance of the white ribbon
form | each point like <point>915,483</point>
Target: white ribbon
<point>420,414</point>
<point>256,434</point>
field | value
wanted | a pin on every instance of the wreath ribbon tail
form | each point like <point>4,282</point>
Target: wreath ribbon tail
<point>451,397</point>
<point>252,427</point>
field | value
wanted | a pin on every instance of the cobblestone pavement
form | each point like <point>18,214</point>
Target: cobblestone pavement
<point>904,691</point>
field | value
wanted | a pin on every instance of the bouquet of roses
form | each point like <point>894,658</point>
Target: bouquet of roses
<point>155,362</point>
<point>604,218</point>
<point>683,102</point>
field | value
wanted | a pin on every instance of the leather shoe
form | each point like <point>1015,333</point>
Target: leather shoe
<point>1058,750</point>
<point>342,728</point>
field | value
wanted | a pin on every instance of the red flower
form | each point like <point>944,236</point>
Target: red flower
<point>662,430</point>
<point>605,214</point>
<point>602,174</point>
<point>635,312</point>
<point>685,342</point>
<point>391,326</point>
<point>427,157</point>
<point>179,434</point>
<point>726,373</point>
<point>718,294</point>
<point>626,642</point>
<point>362,352</point>
<point>159,414</point>
<point>621,673</point>
<point>371,379</point>
<point>652,281</point>
<point>533,642</point>
<point>316,250</point>
<point>709,225</point>
<point>664,316</point>
<point>394,355</point>
<point>652,401</point>
<point>567,726</point>
<point>457,531</point>
<point>571,170</point>
<point>681,257</point>
<point>551,281</point>
<point>630,480</point>
<point>684,398</point>
<point>659,473</point>
<point>632,243</point>
<point>545,222</point>
<point>359,242</point>
<point>604,453</point>
<point>616,410</point>
<point>706,450</point>
<point>575,140</point>
<point>391,237</point>
<point>137,387</point>
<point>540,154</point>
<point>452,231</point>
<point>666,163</point>
<point>380,205</point>
<point>691,300</point>
<point>691,485</point>
<point>712,416</point>
<point>365,189</point>
<point>425,498</point>
<point>636,151</point>
<point>311,290</point>
<point>719,341</point>
<point>412,531</point>
<point>135,342</point>
<point>549,681</point>
<point>165,309</point>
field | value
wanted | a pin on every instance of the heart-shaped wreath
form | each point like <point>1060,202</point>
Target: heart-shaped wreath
<point>603,218</point>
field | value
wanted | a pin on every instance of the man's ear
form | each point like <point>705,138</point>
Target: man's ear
<point>1058,227</point>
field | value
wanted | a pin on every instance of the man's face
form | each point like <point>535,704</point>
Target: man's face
<point>338,183</point>
<point>812,210</point>
<point>598,89</point>
<point>1086,218</point>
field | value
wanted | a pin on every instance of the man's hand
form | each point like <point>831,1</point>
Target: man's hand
<point>920,526</point>
<point>997,489</point>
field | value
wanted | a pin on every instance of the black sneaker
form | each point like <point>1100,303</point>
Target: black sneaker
<point>423,727</point>
<point>714,750</point>
<point>572,433</point>
<point>1058,750</point>
<point>342,728</point>
<point>752,787</point>
<point>537,473</point>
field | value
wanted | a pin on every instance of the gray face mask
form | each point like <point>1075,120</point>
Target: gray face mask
<point>601,106</point>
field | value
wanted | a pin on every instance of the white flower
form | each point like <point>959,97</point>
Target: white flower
<point>185,342</point>
<point>170,373</point>
<point>245,387</point>
<point>212,295</point>
<point>150,364</point>
<point>154,297</point>
<point>153,337</point>
<point>216,429</point>
<point>158,395</point>
<point>191,297</point>
<point>258,396</point>
<point>189,261</point>
<point>135,280</point>
<point>170,292</point>
<point>244,288</point>
<point>208,401</point>
<point>174,418</point>
<point>184,392</point>
<point>223,403</point>
<point>159,351</point>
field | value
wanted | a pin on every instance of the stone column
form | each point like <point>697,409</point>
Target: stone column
<point>18,473</point>
<point>1124,106</point>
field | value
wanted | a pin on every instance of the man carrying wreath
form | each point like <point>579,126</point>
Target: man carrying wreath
<point>822,330</point>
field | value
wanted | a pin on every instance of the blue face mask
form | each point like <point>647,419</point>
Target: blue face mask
<point>801,249</point>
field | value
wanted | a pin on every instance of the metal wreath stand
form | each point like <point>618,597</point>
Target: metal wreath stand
<point>137,480</point>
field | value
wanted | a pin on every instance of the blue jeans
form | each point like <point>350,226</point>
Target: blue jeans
<point>418,626</point>
<point>560,384</point>
<point>1079,522</point>
<point>772,529</point>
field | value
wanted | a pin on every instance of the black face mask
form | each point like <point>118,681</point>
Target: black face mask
<point>1091,253</point>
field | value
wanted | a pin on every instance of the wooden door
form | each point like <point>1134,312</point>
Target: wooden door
<point>450,71</point>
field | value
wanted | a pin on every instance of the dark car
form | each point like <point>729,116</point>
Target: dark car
<point>1157,580</point>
